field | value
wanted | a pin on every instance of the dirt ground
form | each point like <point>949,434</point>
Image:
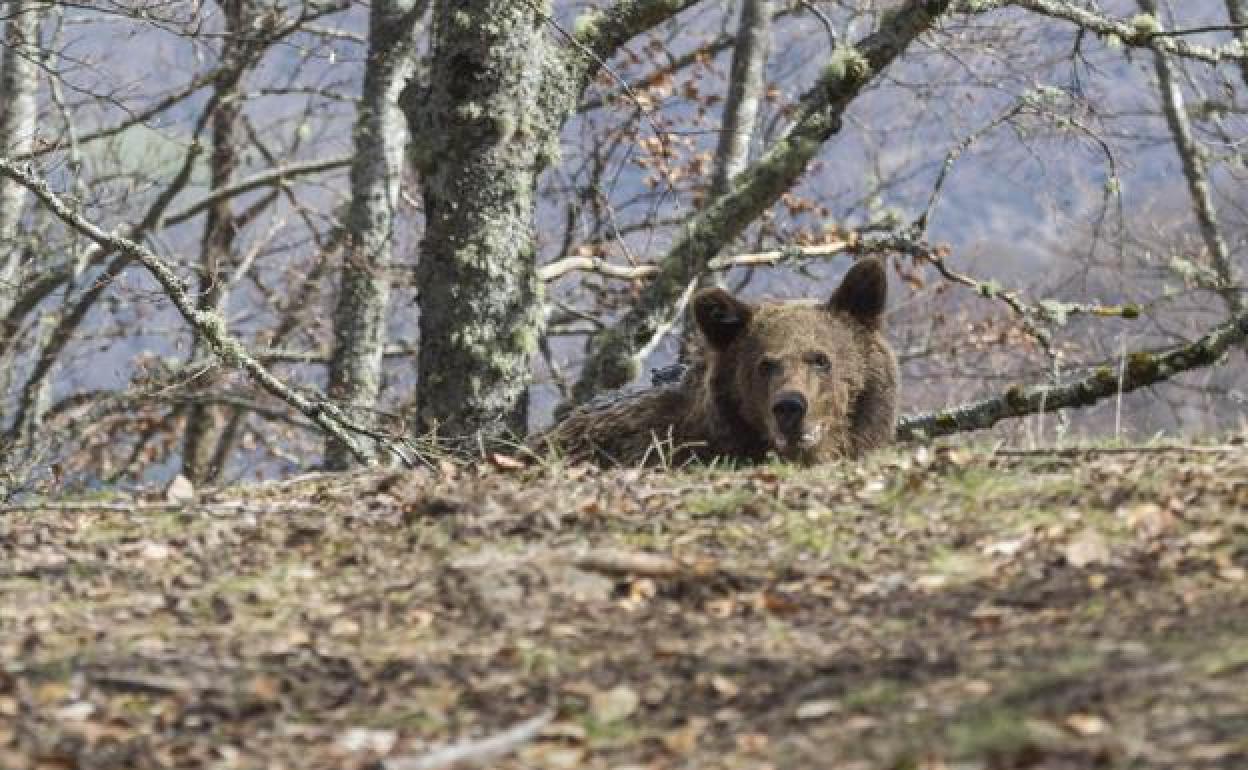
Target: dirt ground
<point>930,608</point>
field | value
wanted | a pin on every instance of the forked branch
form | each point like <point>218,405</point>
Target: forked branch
<point>209,326</point>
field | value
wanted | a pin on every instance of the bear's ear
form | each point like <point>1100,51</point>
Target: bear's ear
<point>720,316</point>
<point>863,292</point>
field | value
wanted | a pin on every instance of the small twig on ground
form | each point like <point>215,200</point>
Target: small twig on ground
<point>141,684</point>
<point>630,563</point>
<point>226,507</point>
<point>475,751</point>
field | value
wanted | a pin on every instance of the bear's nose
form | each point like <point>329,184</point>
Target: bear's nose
<point>789,409</point>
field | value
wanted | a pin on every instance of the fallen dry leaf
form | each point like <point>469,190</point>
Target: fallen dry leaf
<point>507,462</point>
<point>817,709</point>
<point>1086,548</point>
<point>355,739</point>
<point>1149,520</point>
<point>684,740</point>
<point>724,687</point>
<point>614,705</point>
<point>1086,724</point>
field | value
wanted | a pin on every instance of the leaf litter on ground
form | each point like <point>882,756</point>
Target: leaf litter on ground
<point>929,607</point>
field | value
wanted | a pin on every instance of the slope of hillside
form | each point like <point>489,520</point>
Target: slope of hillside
<point>931,608</point>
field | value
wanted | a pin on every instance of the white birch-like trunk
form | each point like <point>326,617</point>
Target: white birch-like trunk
<point>745,93</point>
<point>18,86</point>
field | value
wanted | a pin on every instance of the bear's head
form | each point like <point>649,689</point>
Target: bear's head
<point>790,374</point>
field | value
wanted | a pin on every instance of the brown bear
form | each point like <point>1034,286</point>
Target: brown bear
<point>808,382</point>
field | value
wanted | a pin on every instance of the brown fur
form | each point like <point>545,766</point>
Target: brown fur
<point>809,382</point>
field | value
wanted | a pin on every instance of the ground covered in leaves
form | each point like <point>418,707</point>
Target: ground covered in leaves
<point>931,608</point>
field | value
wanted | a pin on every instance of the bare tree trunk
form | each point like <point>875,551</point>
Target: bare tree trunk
<point>483,129</point>
<point>745,92</point>
<point>380,138</point>
<point>18,85</point>
<point>1195,171</point>
<point>204,422</point>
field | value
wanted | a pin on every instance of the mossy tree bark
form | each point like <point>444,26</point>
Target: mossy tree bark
<point>1192,157</point>
<point>483,129</point>
<point>485,122</point>
<point>355,368</point>
<point>18,84</point>
<point>1140,370</point>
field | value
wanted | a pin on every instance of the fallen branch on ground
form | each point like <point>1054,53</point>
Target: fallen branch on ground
<point>630,563</point>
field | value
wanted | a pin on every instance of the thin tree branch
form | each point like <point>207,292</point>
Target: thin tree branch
<point>1238,11</point>
<point>1131,34</point>
<point>279,175</point>
<point>604,31</point>
<point>1141,370</point>
<point>1192,158</point>
<point>475,751</point>
<point>613,358</point>
<point>137,118</point>
<point>209,326</point>
<point>674,65</point>
<point>556,270</point>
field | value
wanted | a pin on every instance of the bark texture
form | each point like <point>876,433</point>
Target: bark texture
<point>355,369</point>
<point>484,128</point>
<point>745,92</point>
<point>203,421</point>
<point>18,85</point>
<point>1238,11</point>
<point>485,123</point>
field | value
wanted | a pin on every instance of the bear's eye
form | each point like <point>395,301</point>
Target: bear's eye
<point>769,367</point>
<point>819,361</point>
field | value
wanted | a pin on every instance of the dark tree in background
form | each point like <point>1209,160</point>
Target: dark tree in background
<point>261,236</point>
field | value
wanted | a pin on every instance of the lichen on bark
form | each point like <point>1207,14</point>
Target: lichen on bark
<point>496,96</point>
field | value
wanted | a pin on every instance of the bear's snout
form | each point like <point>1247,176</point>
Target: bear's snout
<point>789,409</point>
